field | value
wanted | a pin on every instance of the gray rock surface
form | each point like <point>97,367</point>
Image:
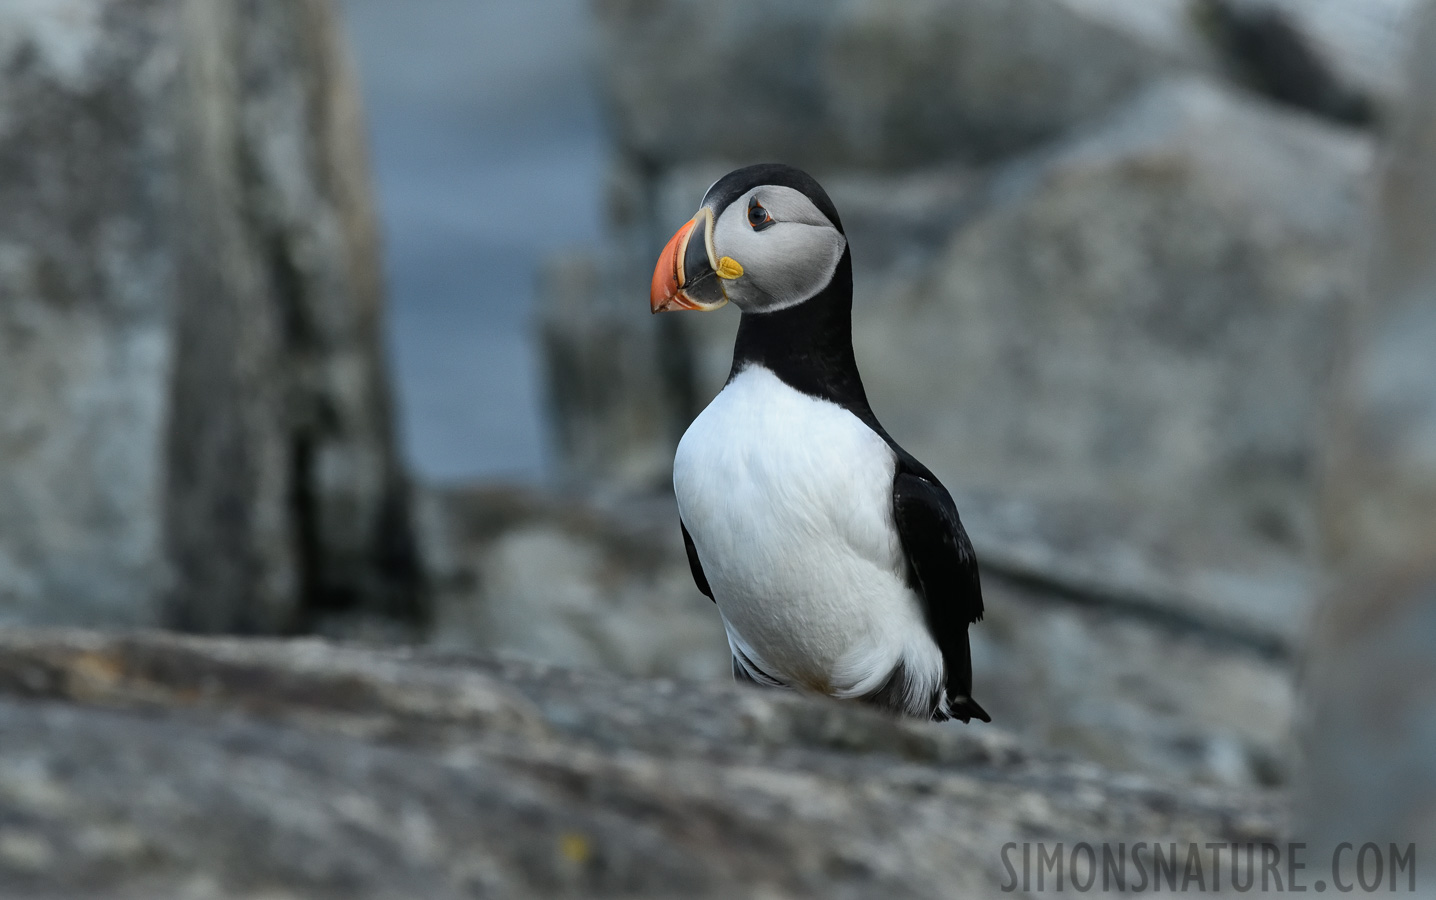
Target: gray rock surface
<point>146,765</point>
<point>1371,692</point>
<point>1354,47</point>
<point>871,84</point>
<point>189,311</point>
<point>85,309</point>
<point>562,580</point>
<point>1382,490</point>
<point>1363,42</point>
<point>1139,320</point>
<point>864,82</point>
<point>1133,691</point>
<point>614,414</point>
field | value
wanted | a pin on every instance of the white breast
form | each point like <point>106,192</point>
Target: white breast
<point>788,499</point>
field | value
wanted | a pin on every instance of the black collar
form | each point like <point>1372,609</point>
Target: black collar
<point>809,346</point>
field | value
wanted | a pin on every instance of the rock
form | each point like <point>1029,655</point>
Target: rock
<point>864,82</point>
<point>1269,53</point>
<point>1368,706</point>
<point>615,413</point>
<point>1382,488</point>
<point>1163,23</point>
<point>564,581</point>
<point>1121,680</point>
<point>1096,332</point>
<point>1359,43</point>
<point>1134,561</point>
<point>198,429</point>
<point>1369,745</point>
<point>85,359</point>
<point>1132,690</point>
<point>860,83</point>
<point>317,467</point>
<point>147,765</point>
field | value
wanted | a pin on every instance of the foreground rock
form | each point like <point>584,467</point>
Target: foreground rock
<point>148,765</point>
<point>189,321</point>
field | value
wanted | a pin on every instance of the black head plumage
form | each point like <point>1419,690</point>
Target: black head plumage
<point>738,182</point>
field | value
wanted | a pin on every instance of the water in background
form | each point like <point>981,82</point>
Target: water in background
<point>488,152</point>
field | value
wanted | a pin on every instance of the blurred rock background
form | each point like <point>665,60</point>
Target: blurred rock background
<point>197,429</point>
<point>1146,284</point>
<point>1368,726</point>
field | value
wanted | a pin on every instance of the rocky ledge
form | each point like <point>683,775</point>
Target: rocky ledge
<point>153,765</point>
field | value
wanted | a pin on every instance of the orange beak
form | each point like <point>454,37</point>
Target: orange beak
<point>666,290</point>
<point>685,277</point>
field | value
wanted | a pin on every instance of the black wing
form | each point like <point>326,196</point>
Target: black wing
<point>693,564</point>
<point>942,568</point>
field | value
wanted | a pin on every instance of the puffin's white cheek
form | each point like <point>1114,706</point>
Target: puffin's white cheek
<point>797,261</point>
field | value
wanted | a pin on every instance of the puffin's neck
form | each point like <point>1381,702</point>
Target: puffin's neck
<point>810,345</point>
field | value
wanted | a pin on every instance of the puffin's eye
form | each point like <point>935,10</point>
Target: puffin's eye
<point>758,216</point>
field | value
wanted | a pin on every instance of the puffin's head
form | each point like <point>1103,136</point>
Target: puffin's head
<point>765,237</point>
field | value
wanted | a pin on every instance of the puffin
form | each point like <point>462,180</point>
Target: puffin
<point>837,561</point>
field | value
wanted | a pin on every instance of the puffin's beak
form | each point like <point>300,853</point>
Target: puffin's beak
<point>684,277</point>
